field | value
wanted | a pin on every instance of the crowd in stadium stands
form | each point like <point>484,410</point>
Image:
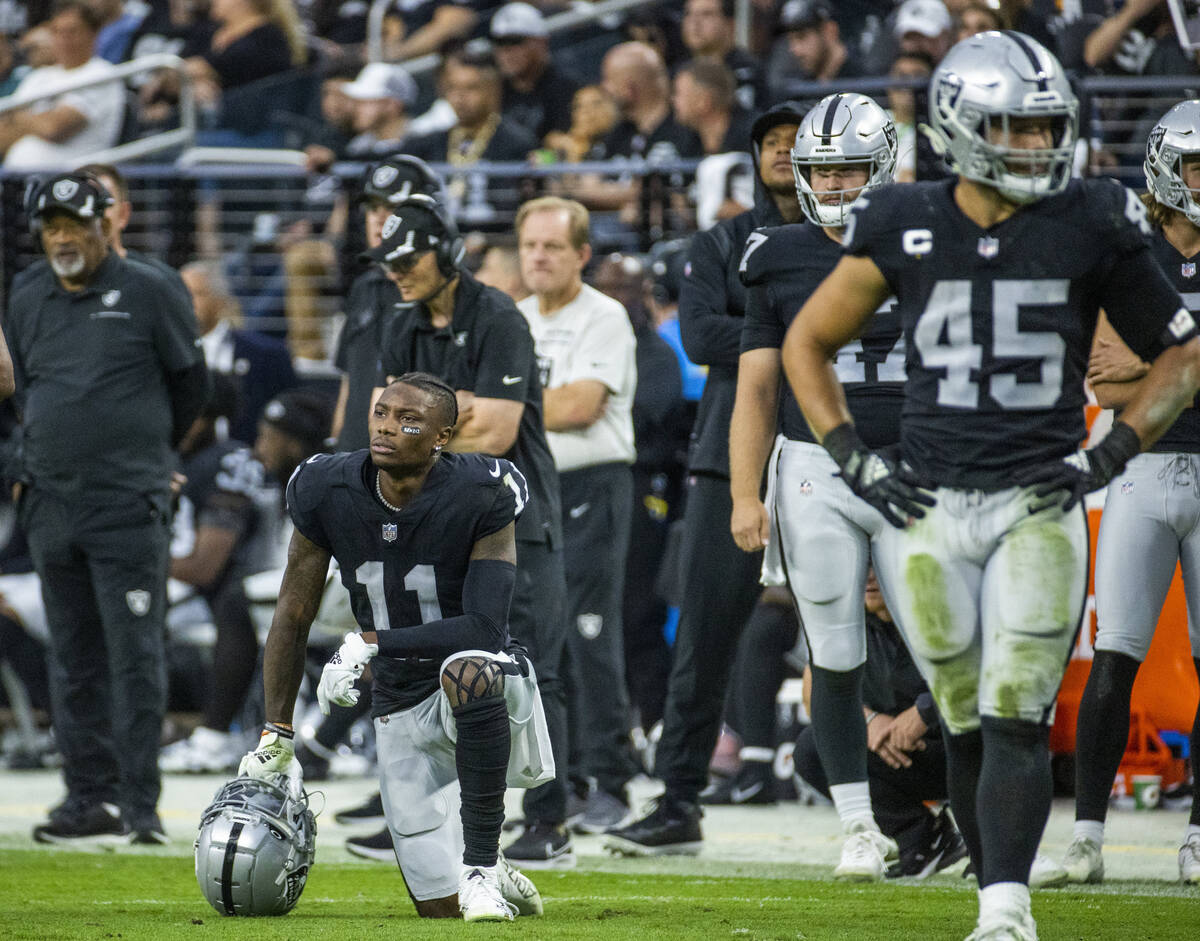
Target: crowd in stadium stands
<point>663,81</point>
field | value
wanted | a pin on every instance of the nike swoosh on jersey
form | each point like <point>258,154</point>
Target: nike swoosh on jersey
<point>495,471</point>
<point>577,511</point>
<point>511,380</point>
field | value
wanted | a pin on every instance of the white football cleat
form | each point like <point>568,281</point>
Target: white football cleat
<point>1189,861</point>
<point>1083,861</point>
<point>865,856</point>
<point>479,896</point>
<point>518,889</point>
<point>203,752</point>
<point>1011,926</point>
<point>1045,873</point>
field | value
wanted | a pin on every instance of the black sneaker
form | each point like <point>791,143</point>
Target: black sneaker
<point>377,846</point>
<point>943,847</point>
<point>94,824</point>
<point>147,831</point>
<point>753,784</point>
<point>542,846</point>
<point>368,813</point>
<point>671,828</point>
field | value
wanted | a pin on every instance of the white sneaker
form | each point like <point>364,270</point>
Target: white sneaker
<point>479,897</point>
<point>1083,861</point>
<point>203,752</point>
<point>1045,873</point>
<point>865,856</point>
<point>1189,861</point>
<point>518,889</point>
<point>1013,926</point>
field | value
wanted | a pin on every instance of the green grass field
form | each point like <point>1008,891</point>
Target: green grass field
<point>62,895</point>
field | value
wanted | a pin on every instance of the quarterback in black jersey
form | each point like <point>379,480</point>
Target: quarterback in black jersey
<point>816,536</point>
<point>1149,524</point>
<point>998,275</point>
<point>425,545</point>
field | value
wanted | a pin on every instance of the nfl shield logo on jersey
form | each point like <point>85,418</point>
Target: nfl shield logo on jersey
<point>110,297</point>
<point>390,532</point>
<point>988,247</point>
<point>139,601</point>
<point>1188,269</point>
<point>1127,487</point>
<point>805,488</point>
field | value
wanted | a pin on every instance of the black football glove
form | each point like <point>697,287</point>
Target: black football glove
<point>880,481</point>
<point>1086,470</point>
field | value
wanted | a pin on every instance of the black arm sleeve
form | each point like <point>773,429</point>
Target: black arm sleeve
<point>189,391</point>
<point>483,625</point>
<point>711,337</point>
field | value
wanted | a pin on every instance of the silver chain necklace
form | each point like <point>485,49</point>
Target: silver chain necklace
<point>382,498</point>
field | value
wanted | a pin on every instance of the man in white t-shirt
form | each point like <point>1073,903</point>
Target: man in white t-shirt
<point>587,357</point>
<point>61,132</point>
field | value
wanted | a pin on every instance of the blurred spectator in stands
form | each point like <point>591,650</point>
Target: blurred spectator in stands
<point>57,132</point>
<point>343,22</point>
<point>471,83</point>
<point>501,269</point>
<point>709,32</point>
<point>117,29</point>
<point>902,104</point>
<point>593,116</point>
<point>1121,37</point>
<point>325,141</point>
<point>174,26</point>
<point>10,72</point>
<point>924,26</point>
<point>658,28</point>
<point>382,94</point>
<point>811,49</point>
<point>228,525</point>
<point>537,93</point>
<point>254,39</point>
<point>976,17</point>
<point>420,27</point>
<point>1034,18</point>
<point>704,100</point>
<point>37,47</point>
<point>636,78</point>
<point>260,365</point>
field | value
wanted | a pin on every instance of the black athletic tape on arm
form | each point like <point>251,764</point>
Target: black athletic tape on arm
<point>487,594</point>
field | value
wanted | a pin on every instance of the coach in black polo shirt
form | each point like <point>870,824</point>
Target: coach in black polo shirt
<point>474,338</point>
<point>109,377</point>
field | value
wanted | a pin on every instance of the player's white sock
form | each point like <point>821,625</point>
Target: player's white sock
<point>1001,898</point>
<point>1089,830</point>
<point>853,803</point>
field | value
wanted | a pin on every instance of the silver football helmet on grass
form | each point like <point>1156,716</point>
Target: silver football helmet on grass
<point>255,847</point>
<point>984,84</point>
<point>845,128</point>
<point>1174,137</point>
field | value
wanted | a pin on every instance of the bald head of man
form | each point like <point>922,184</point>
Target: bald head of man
<point>634,74</point>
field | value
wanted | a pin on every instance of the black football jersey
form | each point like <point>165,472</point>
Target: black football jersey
<point>1184,435</point>
<point>403,569</point>
<point>998,322</point>
<point>781,267</point>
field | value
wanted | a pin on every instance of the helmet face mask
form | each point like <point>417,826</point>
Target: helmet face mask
<point>846,131</point>
<point>255,848</point>
<point>990,88</point>
<point>1174,140</point>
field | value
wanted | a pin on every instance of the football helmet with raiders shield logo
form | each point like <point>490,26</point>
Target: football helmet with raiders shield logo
<point>1174,137</point>
<point>255,848</point>
<point>845,128</point>
<point>978,94</point>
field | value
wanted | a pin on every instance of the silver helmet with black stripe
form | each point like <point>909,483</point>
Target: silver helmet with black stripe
<point>255,848</point>
<point>1175,138</point>
<point>991,86</point>
<point>843,129</point>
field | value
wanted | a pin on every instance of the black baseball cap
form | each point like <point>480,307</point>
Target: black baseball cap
<point>76,194</point>
<point>804,14</point>
<point>410,230</point>
<point>396,179</point>
<point>301,413</point>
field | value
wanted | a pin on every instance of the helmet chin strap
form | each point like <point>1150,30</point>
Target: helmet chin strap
<point>446,282</point>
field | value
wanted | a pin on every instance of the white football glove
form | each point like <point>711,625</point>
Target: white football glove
<point>342,671</point>
<point>274,760</point>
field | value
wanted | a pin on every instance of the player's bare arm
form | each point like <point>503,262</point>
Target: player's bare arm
<point>1114,370</point>
<point>491,428</point>
<point>574,406</point>
<point>836,313</point>
<point>299,598</point>
<point>1167,389</point>
<point>751,428</point>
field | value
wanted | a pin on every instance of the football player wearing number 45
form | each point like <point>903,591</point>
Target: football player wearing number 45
<point>998,295</point>
<point>425,543</point>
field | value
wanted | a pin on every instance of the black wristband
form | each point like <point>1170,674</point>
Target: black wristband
<point>279,730</point>
<point>1120,445</point>
<point>841,443</point>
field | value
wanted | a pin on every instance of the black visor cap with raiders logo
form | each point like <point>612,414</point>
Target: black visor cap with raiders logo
<point>73,194</point>
<point>397,179</point>
<point>412,230</point>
